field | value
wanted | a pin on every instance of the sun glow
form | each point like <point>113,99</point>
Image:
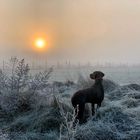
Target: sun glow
<point>40,43</point>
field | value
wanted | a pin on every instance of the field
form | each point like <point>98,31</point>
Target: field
<point>36,105</point>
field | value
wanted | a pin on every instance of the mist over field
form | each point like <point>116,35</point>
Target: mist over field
<point>76,31</point>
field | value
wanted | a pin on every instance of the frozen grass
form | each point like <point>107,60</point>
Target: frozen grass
<point>52,135</point>
<point>33,109</point>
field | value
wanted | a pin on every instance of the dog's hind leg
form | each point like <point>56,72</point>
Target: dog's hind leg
<point>80,113</point>
<point>93,109</point>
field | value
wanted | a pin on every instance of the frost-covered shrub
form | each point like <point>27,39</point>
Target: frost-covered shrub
<point>39,81</point>
<point>134,95</point>
<point>84,82</point>
<point>110,123</point>
<point>18,87</point>
<point>109,85</point>
<point>61,87</point>
<point>17,76</point>
<point>133,87</point>
<point>134,134</point>
<point>4,136</point>
<point>130,102</point>
<point>97,131</point>
<point>41,120</point>
<point>116,94</point>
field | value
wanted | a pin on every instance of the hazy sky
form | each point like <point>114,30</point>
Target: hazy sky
<point>77,30</point>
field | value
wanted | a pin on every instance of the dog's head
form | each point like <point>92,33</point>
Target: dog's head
<point>97,75</point>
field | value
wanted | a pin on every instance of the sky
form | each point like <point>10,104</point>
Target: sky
<point>79,31</point>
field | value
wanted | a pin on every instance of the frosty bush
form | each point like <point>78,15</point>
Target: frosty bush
<point>4,136</point>
<point>84,82</point>
<point>109,124</point>
<point>18,87</point>
<point>14,78</point>
<point>109,85</point>
<point>41,121</point>
<point>39,81</point>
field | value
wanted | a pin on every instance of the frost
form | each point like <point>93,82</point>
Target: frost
<point>33,108</point>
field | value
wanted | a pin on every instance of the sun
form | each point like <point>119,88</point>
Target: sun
<point>40,43</point>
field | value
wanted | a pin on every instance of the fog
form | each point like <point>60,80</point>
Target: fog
<point>94,31</point>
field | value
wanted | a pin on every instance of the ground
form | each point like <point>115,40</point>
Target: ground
<point>41,109</point>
